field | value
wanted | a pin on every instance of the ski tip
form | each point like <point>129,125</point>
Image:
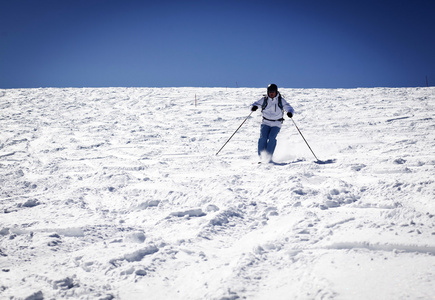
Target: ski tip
<point>325,162</point>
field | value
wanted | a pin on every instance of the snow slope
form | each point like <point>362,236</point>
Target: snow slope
<point>116,193</point>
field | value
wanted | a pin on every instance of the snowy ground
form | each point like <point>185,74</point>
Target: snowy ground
<point>117,193</point>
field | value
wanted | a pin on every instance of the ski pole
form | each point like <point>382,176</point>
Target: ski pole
<point>234,133</point>
<point>304,138</point>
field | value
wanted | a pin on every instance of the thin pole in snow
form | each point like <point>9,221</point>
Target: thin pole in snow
<point>234,133</point>
<point>304,138</point>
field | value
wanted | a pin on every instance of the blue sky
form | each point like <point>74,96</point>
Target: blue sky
<point>296,44</point>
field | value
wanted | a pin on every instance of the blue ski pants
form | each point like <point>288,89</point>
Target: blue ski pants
<point>267,140</point>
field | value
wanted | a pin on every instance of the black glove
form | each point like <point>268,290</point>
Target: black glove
<point>254,108</point>
<point>290,115</point>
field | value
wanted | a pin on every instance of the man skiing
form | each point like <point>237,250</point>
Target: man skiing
<point>273,107</point>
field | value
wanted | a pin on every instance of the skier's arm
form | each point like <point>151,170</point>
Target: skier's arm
<point>258,104</point>
<point>287,107</point>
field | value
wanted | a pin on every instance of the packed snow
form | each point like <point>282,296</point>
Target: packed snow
<point>117,193</point>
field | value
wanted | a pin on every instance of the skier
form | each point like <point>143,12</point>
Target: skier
<point>273,107</point>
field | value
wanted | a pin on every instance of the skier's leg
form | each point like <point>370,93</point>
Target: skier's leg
<point>271,145</point>
<point>262,141</point>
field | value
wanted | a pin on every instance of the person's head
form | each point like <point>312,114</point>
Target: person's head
<point>272,90</point>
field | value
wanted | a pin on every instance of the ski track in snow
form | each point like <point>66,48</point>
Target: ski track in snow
<point>116,193</point>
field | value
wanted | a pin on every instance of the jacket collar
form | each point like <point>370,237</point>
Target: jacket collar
<point>276,97</point>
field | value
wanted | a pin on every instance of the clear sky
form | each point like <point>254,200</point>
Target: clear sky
<point>295,44</point>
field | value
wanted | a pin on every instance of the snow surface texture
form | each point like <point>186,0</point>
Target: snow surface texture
<point>117,193</point>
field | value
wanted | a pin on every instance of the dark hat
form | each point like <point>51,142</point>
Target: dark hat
<point>272,88</point>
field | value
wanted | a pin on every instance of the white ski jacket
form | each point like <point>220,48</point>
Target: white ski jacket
<point>272,114</point>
